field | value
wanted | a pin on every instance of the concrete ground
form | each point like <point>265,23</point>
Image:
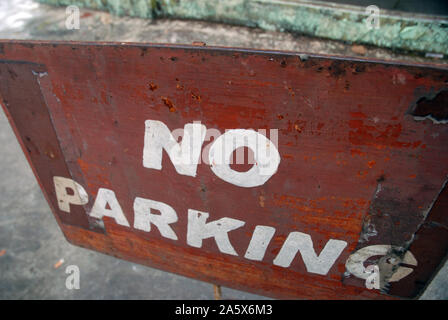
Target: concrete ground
<point>33,252</point>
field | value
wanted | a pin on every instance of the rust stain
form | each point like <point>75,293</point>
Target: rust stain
<point>299,125</point>
<point>196,96</point>
<point>83,165</point>
<point>261,201</point>
<point>152,86</point>
<point>169,104</point>
<point>371,163</point>
<point>355,152</point>
<point>380,138</point>
<point>358,115</point>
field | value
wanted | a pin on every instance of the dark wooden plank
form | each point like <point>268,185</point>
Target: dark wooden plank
<point>362,159</point>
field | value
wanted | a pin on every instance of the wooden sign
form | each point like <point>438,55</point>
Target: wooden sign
<point>283,174</point>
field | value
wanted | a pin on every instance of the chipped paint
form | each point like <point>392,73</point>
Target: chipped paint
<point>355,170</point>
<point>390,269</point>
<point>434,108</point>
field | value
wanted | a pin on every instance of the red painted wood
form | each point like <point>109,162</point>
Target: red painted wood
<point>357,157</point>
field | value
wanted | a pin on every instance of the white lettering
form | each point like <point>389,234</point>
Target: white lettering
<point>259,242</point>
<point>106,197</point>
<point>144,217</point>
<point>78,195</point>
<point>266,156</point>
<point>298,241</point>
<point>355,263</point>
<point>185,157</point>
<point>198,230</point>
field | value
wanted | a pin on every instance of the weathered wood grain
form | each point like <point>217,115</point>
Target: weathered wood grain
<point>362,145</point>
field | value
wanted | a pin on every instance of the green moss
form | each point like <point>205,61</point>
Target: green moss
<point>395,32</point>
